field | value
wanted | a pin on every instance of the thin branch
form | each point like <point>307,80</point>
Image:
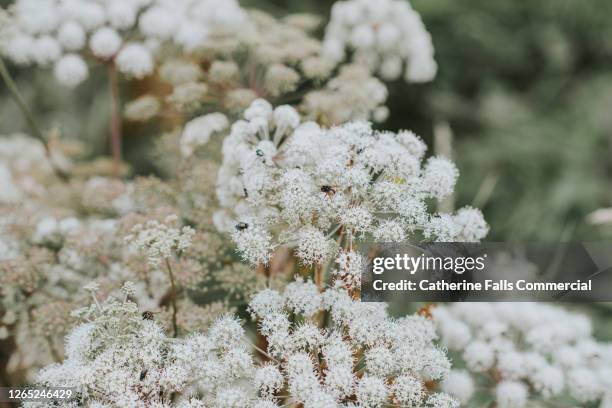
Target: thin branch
<point>115,125</point>
<point>173,298</point>
<point>34,129</point>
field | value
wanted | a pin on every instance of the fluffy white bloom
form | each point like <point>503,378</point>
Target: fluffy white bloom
<point>160,240</point>
<point>37,17</point>
<point>479,356</point>
<point>159,22</point>
<point>9,191</point>
<point>442,400</point>
<point>459,384</point>
<point>388,37</point>
<point>40,29</point>
<point>408,390</point>
<point>310,182</point>
<point>121,359</point>
<point>319,365</point>
<point>90,15</point>
<point>584,385</point>
<point>191,36</point>
<point>268,379</point>
<point>253,241</point>
<point>556,354</point>
<point>354,94</point>
<point>471,225</point>
<point>302,298</point>
<point>71,36</point>
<point>121,14</point>
<point>371,391</point>
<point>312,245</point>
<point>46,50</point>
<point>20,49</point>
<point>441,176</point>
<point>71,70</point>
<point>511,394</point>
<point>135,60</point>
<point>105,42</point>
<point>51,231</point>
<point>197,131</point>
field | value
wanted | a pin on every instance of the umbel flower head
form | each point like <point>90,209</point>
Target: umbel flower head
<point>363,358</point>
<point>122,358</point>
<point>537,351</point>
<point>286,183</point>
<point>160,241</point>
<point>387,36</point>
<point>130,33</point>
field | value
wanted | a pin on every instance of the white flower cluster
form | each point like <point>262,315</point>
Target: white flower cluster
<point>388,36</point>
<point>121,358</point>
<point>126,32</point>
<point>51,231</point>
<point>532,348</point>
<point>363,358</point>
<point>285,183</point>
<point>22,158</point>
<point>160,241</point>
<point>353,94</point>
<point>197,131</point>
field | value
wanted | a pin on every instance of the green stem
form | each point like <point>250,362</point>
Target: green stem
<point>36,132</point>
<point>115,126</point>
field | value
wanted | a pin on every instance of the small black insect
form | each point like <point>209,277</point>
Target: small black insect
<point>143,374</point>
<point>259,152</point>
<point>241,226</point>
<point>147,315</point>
<point>329,190</point>
<point>246,193</point>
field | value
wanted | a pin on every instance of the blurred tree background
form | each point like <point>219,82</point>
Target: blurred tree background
<point>525,86</point>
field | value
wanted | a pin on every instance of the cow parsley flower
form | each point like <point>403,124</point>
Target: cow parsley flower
<point>40,32</point>
<point>160,241</point>
<point>121,358</point>
<point>105,42</point>
<point>300,184</point>
<point>71,36</point>
<point>197,132</point>
<point>556,355</point>
<point>71,70</point>
<point>320,366</point>
<point>459,384</point>
<point>353,94</point>
<point>387,36</point>
<point>511,394</point>
<point>135,60</point>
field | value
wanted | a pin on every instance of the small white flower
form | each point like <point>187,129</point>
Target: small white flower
<point>135,60</point>
<point>197,132</point>
<point>389,38</point>
<point>121,14</point>
<point>460,385</point>
<point>71,36</point>
<point>440,175</point>
<point>312,246</point>
<point>71,70</point>
<point>511,394</point>
<point>46,50</point>
<point>105,42</point>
